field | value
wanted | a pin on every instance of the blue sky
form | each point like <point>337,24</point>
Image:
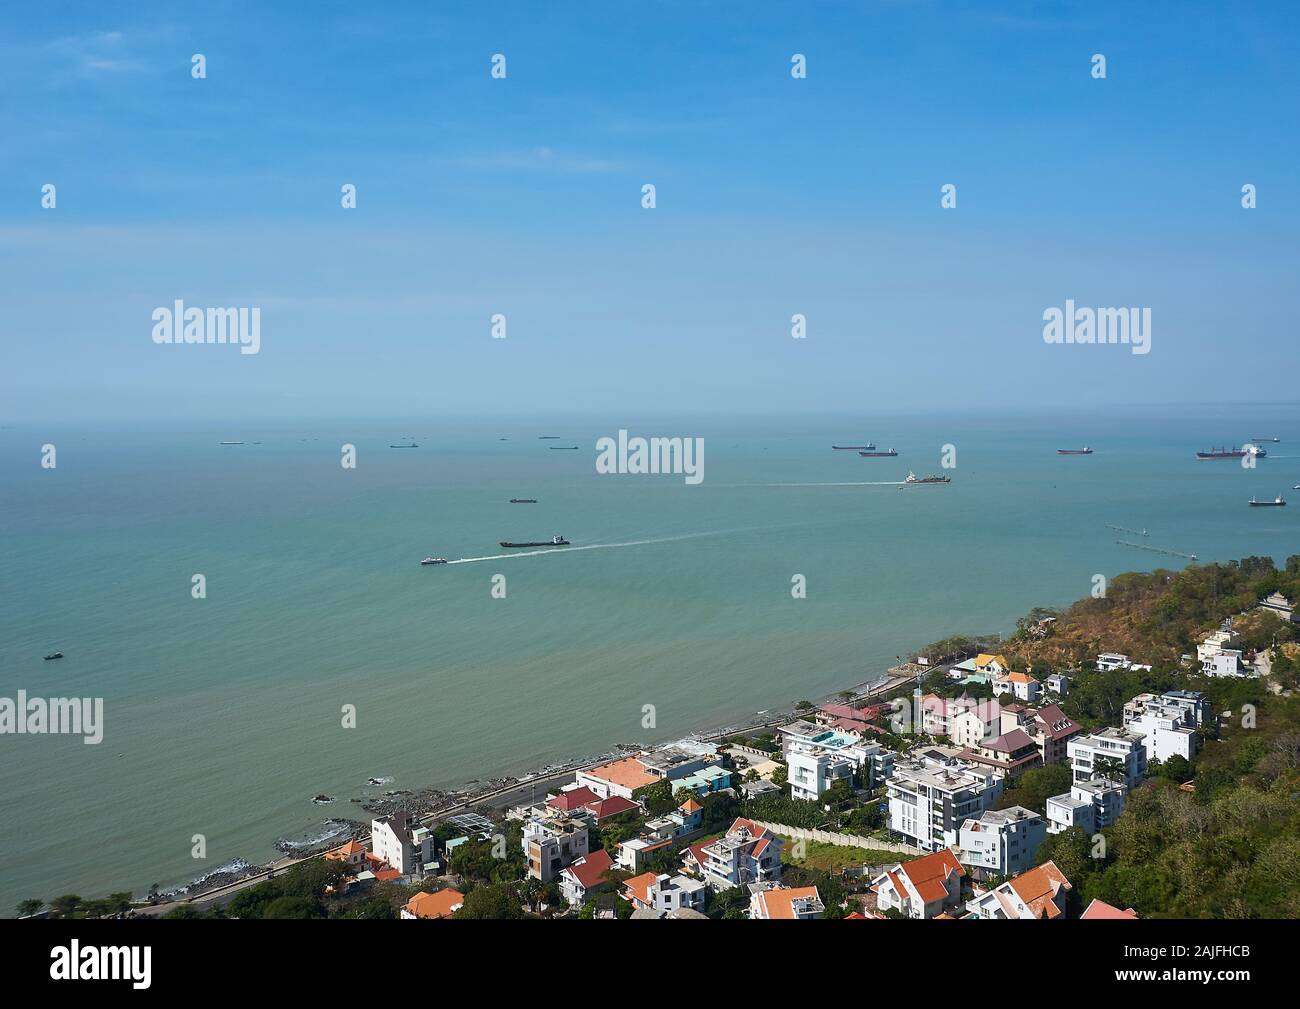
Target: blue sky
<point>522,196</point>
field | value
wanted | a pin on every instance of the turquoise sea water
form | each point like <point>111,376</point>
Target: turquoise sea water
<point>223,715</point>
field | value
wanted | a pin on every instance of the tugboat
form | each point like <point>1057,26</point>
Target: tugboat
<point>931,478</point>
<point>1277,502</point>
<point>1074,451</point>
<point>433,560</point>
<point>1232,453</point>
<point>879,455</point>
<point>868,447</point>
<point>523,500</point>
<point>555,541</point>
<point>53,655</point>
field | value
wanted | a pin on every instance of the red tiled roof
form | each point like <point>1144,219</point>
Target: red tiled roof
<point>435,905</point>
<point>639,886</point>
<point>591,868</point>
<point>929,874</point>
<point>1100,909</point>
<point>572,799</point>
<point>612,806</point>
<point>387,875</point>
<point>1039,886</point>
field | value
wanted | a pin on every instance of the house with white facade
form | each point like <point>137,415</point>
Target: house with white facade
<point>1020,685</point>
<point>1168,722</point>
<point>400,841</point>
<point>1040,892</point>
<point>938,714</point>
<point>1281,607</point>
<point>817,758</point>
<point>1058,684</point>
<point>1089,753</point>
<point>1110,661</point>
<point>931,796</point>
<point>1000,842</point>
<point>746,854</point>
<point>662,894</point>
<point>553,843</point>
<point>1090,805</point>
<point>585,876</point>
<point>925,887</point>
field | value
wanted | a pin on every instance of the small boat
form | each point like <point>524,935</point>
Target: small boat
<point>868,447</point>
<point>932,478</point>
<point>1074,451</point>
<point>563,448</point>
<point>1277,502</point>
<point>409,445</point>
<point>548,437</point>
<point>879,455</point>
<point>53,655</point>
<point>555,541</point>
<point>523,500</point>
<point>1266,439</point>
<point>433,560</point>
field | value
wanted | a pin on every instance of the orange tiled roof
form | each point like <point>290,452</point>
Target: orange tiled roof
<point>435,905</point>
<point>929,874</point>
<point>591,868</point>
<point>1100,909</point>
<point>628,772</point>
<point>779,903</point>
<point>387,875</point>
<point>1038,886</point>
<point>639,886</point>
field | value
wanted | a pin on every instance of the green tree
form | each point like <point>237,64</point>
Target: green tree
<point>495,900</point>
<point>27,908</point>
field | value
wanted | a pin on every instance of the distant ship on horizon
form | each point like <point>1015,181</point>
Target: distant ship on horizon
<point>1232,453</point>
<point>555,541</point>
<point>868,447</point>
<point>408,445</point>
<point>1074,451</point>
<point>1277,502</point>
<point>232,443</point>
<point>879,455</point>
<point>912,478</point>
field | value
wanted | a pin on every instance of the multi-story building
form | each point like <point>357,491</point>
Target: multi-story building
<point>1088,755</point>
<point>1001,842</point>
<point>553,844</point>
<point>1168,722</point>
<point>1110,661</point>
<point>937,715</point>
<point>931,796</point>
<point>401,842</point>
<point>1020,685</point>
<point>1010,753</point>
<point>816,760</point>
<point>626,776</point>
<point>585,876</point>
<point>1091,805</point>
<point>746,854</point>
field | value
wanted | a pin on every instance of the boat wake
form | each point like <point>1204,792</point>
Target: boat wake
<point>831,483</point>
<point>592,546</point>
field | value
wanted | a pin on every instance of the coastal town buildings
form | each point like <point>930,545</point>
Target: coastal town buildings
<point>661,894</point>
<point>1000,842</point>
<point>937,715</point>
<point>399,841</point>
<point>1058,684</point>
<point>1013,752</point>
<point>627,775</point>
<point>1040,892</point>
<point>553,843</point>
<point>1281,607</point>
<point>925,887</point>
<point>1168,722</point>
<point>817,757</point>
<point>1110,661</point>
<point>1089,756</point>
<point>1217,657</point>
<point>746,854</point>
<point>930,796</point>
<point>786,904</point>
<point>1021,685</point>
<point>1091,805</point>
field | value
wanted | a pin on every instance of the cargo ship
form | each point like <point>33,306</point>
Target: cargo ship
<point>563,448</point>
<point>879,455</point>
<point>868,447</point>
<point>409,445</point>
<point>1277,502</point>
<point>1232,453</point>
<point>523,500</point>
<point>555,541</point>
<point>434,560</point>
<point>1074,451</point>
<point>931,478</point>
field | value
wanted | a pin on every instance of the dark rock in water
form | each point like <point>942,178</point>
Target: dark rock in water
<point>321,837</point>
<point>322,799</point>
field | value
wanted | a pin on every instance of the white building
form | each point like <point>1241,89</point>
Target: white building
<point>1039,893</point>
<point>1109,661</point>
<point>1001,842</point>
<point>931,797</point>
<point>1217,656</point>
<point>815,760</point>
<point>1168,722</point>
<point>1091,805</point>
<point>938,715</point>
<point>402,843</point>
<point>1087,753</point>
<point>746,854</point>
<point>662,894</point>
<point>783,903</point>
<point>553,844</point>
<point>1281,607</point>
<point>1021,685</point>
<point>925,887</point>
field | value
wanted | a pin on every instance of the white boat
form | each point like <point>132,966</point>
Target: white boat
<point>434,560</point>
